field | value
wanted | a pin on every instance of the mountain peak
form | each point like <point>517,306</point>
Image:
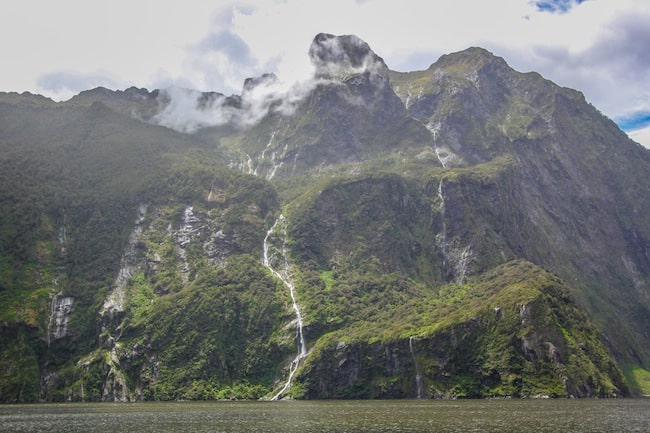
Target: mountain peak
<point>25,98</point>
<point>343,55</point>
<point>473,58</point>
<point>250,84</point>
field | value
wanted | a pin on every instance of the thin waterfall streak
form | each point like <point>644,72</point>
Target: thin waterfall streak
<point>442,239</point>
<point>302,352</point>
<point>418,375</point>
<point>285,276</point>
<point>49,323</point>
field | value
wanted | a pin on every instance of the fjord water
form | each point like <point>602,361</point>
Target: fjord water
<point>562,415</point>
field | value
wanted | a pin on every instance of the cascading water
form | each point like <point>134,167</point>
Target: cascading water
<point>284,275</point>
<point>445,155</point>
<point>419,384</point>
<point>60,311</point>
<point>442,237</point>
<point>190,224</point>
<point>456,256</point>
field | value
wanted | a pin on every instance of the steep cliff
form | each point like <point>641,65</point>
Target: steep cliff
<point>463,231</point>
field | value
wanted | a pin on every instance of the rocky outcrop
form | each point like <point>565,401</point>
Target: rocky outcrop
<point>342,56</point>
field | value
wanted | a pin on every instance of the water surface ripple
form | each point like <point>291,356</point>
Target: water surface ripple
<point>562,415</point>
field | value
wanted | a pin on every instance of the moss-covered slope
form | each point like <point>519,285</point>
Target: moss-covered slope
<point>512,331</point>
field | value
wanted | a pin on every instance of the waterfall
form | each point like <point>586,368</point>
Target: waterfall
<point>275,167</point>
<point>442,236</point>
<point>456,257</point>
<point>418,375</point>
<point>284,275</point>
<point>268,145</point>
<point>249,165</point>
<point>190,224</point>
<point>63,239</point>
<point>445,155</point>
<point>60,311</point>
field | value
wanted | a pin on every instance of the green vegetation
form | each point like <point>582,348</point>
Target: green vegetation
<point>17,384</point>
<point>72,183</point>
<point>513,270</point>
<point>510,332</point>
<point>219,336</point>
<point>639,378</point>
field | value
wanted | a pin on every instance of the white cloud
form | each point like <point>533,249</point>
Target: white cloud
<point>131,42</point>
<point>598,48</point>
<point>594,46</point>
<point>641,136</point>
<point>188,110</point>
<point>185,113</point>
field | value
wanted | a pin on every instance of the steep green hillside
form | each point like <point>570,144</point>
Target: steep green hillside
<point>512,331</point>
<point>581,207</point>
<point>463,231</point>
<point>79,187</point>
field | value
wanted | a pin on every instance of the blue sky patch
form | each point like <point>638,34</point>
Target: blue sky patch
<point>557,6</point>
<point>635,121</point>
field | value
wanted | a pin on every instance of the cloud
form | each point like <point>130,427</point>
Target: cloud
<point>223,16</point>
<point>624,45</point>
<point>189,110</point>
<point>222,59</point>
<point>596,49</point>
<point>641,136</point>
<point>229,44</point>
<point>593,46</point>
<point>332,57</point>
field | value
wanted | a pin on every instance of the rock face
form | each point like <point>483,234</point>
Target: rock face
<point>463,231</point>
<point>351,116</point>
<point>570,168</point>
<point>340,56</point>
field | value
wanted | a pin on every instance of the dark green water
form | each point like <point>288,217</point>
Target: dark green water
<point>622,415</point>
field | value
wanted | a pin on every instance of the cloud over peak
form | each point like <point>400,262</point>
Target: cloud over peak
<point>593,46</point>
<point>333,57</point>
<point>188,110</point>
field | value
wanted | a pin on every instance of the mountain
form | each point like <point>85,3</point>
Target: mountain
<point>463,231</point>
<point>576,176</point>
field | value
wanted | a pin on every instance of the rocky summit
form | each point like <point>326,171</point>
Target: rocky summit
<point>344,55</point>
<point>464,231</point>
